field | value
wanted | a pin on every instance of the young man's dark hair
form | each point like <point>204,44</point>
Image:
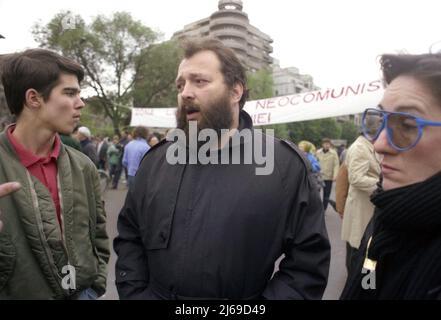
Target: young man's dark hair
<point>37,69</point>
<point>231,67</point>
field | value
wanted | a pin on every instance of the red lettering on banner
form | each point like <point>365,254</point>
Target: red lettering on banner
<point>145,111</point>
<point>341,93</point>
<point>324,97</point>
<point>292,102</point>
<point>280,101</point>
<point>262,118</point>
<point>309,94</point>
<point>349,88</point>
<point>260,103</point>
<point>374,86</point>
<point>270,104</point>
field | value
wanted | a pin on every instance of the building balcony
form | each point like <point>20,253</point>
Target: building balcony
<point>254,42</point>
<point>219,22</point>
<point>236,14</point>
<point>229,32</point>
<point>235,45</point>
<point>268,48</point>
<point>256,54</point>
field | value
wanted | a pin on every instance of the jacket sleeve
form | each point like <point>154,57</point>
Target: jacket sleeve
<point>358,167</point>
<point>336,165</point>
<point>125,160</point>
<point>303,272</point>
<point>131,265</point>
<point>101,238</point>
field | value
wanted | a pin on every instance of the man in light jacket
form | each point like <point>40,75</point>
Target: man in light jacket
<point>363,174</point>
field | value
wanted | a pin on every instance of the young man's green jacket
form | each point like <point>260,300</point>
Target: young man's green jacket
<point>37,259</point>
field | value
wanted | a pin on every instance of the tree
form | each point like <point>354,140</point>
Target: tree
<point>349,132</point>
<point>260,84</point>
<point>155,85</point>
<point>109,49</point>
<point>313,130</point>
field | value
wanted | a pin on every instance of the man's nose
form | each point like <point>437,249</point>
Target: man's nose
<point>187,92</point>
<point>80,103</point>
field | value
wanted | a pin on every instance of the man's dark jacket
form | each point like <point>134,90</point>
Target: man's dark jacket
<point>193,231</point>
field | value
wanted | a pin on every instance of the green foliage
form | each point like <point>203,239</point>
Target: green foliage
<point>109,49</point>
<point>155,86</point>
<point>349,132</point>
<point>260,84</point>
<point>315,130</point>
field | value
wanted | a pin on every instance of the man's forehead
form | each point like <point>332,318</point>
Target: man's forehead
<point>68,81</point>
<point>201,62</point>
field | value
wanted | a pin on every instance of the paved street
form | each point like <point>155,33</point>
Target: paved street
<point>337,275</point>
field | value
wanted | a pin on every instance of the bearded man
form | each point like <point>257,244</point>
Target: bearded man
<point>214,231</point>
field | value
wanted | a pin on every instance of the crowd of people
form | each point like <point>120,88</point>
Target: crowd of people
<point>205,231</point>
<point>112,156</point>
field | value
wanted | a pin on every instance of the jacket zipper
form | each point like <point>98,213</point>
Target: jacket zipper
<point>42,234</point>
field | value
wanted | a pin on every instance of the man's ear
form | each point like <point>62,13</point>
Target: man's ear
<point>32,99</point>
<point>237,92</point>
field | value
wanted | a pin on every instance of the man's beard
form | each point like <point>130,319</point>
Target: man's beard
<point>217,115</point>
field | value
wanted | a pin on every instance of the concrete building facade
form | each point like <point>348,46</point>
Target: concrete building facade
<point>289,81</point>
<point>231,25</point>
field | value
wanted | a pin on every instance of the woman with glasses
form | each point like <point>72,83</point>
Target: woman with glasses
<point>400,254</point>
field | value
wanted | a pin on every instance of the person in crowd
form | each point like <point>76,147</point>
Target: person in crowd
<point>342,151</point>
<point>134,151</point>
<point>54,243</point>
<point>215,231</point>
<point>101,150</point>
<point>307,148</point>
<point>329,164</point>
<point>399,255</point>
<point>363,175</point>
<point>114,154</point>
<point>87,146</point>
<point>125,138</point>
<point>70,140</point>
<point>152,140</point>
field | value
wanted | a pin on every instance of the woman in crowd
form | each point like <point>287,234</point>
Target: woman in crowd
<point>400,254</point>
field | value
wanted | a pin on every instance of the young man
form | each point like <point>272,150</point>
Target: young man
<point>134,151</point>
<point>329,163</point>
<point>214,231</point>
<point>54,243</point>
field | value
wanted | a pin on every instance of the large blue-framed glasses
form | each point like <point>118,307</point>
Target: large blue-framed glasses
<point>403,129</point>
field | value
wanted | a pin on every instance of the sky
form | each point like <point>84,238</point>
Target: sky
<point>337,42</point>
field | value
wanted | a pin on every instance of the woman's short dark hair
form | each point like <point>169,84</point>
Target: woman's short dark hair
<point>423,67</point>
<point>37,69</point>
<point>231,67</point>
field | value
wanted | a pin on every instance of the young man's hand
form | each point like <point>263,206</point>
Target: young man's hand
<point>5,189</point>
